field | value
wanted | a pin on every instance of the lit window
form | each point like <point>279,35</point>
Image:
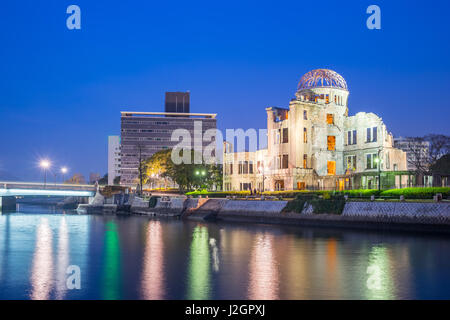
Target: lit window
<point>305,135</point>
<point>351,162</point>
<point>331,167</point>
<point>330,118</point>
<point>305,161</point>
<point>331,143</point>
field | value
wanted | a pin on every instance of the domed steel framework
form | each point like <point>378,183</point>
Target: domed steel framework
<point>321,78</point>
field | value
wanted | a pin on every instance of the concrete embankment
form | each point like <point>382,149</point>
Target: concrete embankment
<point>432,216</point>
<point>369,215</point>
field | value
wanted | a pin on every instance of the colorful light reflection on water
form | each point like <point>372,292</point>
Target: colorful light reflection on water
<point>146,258</point>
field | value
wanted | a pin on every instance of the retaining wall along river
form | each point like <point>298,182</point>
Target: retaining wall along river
<point>435,215</point>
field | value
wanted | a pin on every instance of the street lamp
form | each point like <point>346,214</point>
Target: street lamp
<point>45,164</point>
<point>63,172</point>
<point>378,162</point>
<point>261,170</point>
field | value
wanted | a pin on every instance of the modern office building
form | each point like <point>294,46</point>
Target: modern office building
<point>113,158</point>
<point>315,144</point>
<point>144,133</point>
<point>177,102</point>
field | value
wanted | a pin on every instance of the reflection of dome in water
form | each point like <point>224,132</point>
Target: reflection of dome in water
<point>322,78</point>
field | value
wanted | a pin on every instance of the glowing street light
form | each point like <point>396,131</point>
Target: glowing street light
<point>45,165</point>
<point>63,172</point>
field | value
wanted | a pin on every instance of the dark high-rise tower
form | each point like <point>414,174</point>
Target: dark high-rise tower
<point>177,102</point>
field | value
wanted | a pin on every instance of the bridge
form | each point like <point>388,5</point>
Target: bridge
<point>10,190</point>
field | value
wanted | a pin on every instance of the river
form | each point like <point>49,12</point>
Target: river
<point>44,252</point>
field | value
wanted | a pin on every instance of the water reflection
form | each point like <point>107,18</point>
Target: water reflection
<point>111,267</point>
<point>264,282</point>
<point>63,259</point>
<point>215,254</point>
<point>199,265</point>
<point>42,270</point>
<point>153,271</point>
<point>379,277</point>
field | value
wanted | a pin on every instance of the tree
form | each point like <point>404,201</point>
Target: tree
<point>104,180</point>
<point>439,146</point>
<point>442,166</point>
<point>156,167</point>
<point>425,151</point>
<point>187,176</point>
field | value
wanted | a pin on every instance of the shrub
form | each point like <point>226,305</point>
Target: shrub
<point>417,193</point>
<point>361,193</point>
<point>295,205</point>
<point>152,202</point>
<point>217,194</point>
<point>334,205</point>
<point>331,204</point>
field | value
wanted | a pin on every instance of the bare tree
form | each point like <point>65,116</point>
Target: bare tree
<point>423,152</point>
<point>419,154</point>
<point>439,146</point>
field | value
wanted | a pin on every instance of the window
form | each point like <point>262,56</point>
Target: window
<point>245,186</point>
<point>351,162</point>
<point>301,185</point>
<point>285,135</point>
<point>277,163</point>
<point>351,137</point>
<point>371,162</point>
<point>371,134</point>
<point>250,167</point>
<point>305,135</point>
<point>305,161</point>
<point>285,161</point>
<point>231,168</point>
<point>331,143</point>
<point>327,99</point>
<point>331,167</point>
<point>330,118</point>
<point>305,115</point>
<point>245,167</point>
<point>276,136</point>
<point>240,167</point>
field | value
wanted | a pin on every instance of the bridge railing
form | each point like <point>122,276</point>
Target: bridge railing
<point>52,186</point>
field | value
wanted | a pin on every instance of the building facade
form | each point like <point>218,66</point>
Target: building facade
<point>417,152</point>
<point>144,133</point>
<point>315,144</point>
<point>177,102</point>
<point>113,158</point>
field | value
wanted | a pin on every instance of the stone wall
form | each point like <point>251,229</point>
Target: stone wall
<point>415,210</point>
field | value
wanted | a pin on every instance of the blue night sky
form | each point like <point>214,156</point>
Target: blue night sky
<point>61,90</point>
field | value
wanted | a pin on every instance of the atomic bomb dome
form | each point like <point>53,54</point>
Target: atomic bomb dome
<point>322,78</point>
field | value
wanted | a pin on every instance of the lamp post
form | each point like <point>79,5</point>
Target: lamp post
<point>63,172</point>
<point>378,161</point>
<point>45,164</point>
<point>261,170</point>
